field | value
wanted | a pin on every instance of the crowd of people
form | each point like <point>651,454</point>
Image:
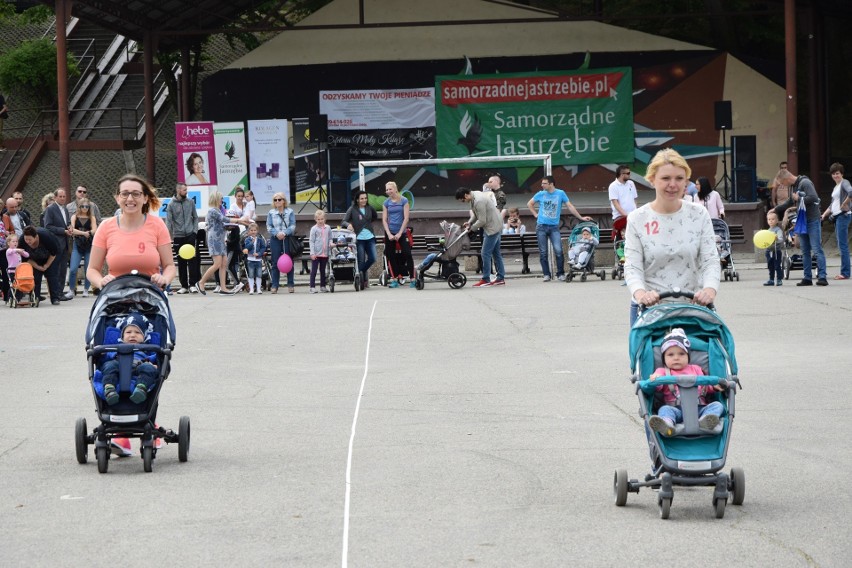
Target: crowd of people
<point>668,242</point>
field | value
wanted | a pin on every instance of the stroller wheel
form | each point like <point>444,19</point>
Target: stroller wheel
<point>583,277</point>
<point>183,439</point>
<point>602,274</point>
<point>737,485</point>
<point>80,433</point>
<point>719,506</point>
<point>619,487</point>
<point>358,284</point>
<point>665,507</point>
<point>419,284</point>
<point>103,458</point>
<point>383,279</point>
<point>148,459</point>
<point>457,280</point>
<point>331,284</point>
<point>614,273</point>
<point>737,276</point>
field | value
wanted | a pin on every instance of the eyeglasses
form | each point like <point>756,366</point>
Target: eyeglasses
<point>278,199</point>
<point>83,191</point>
<point>134,194</point>
<point>84,207</point>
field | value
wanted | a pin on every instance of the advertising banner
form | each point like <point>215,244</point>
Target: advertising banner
<point>196,154</point>
<point>309,169</point>
<point>232,164</point>
<point>382,124</point>
<point>579,117</point>
<point>270,155</point>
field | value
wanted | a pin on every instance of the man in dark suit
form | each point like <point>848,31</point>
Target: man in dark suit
<point>57,220</point>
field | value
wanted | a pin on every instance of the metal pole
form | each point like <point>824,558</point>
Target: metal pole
<point>62,10</point>
<point>148,69</point>
<point>790,78</point>
<point>185,99</point>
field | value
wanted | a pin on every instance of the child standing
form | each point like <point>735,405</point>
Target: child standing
<point>579,253</point>
<point>135,329</point>
<point>253,248</point>
<point>14,255</point>
<point>773,253</point>
<point>320,243</point>
<point>675,353</point>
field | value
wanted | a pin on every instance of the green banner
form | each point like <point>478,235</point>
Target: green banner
<point>578,117</point>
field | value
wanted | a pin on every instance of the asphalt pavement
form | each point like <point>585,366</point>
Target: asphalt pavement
<point>475,427</point>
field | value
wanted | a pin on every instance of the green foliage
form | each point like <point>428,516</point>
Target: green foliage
<point>31,67</point>
<point>36,15</point>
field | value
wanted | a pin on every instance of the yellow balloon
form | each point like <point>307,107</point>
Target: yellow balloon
<point>186,252</point>
<point>764,239</point>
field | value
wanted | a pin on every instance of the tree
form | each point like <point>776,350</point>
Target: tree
<point>31,68</point>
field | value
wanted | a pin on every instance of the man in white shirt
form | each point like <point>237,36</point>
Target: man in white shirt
<point>622,197</point>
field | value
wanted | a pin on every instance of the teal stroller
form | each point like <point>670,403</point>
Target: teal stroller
<point>691,456</point>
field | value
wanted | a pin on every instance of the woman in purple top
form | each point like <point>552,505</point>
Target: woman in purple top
<point>395,211</point>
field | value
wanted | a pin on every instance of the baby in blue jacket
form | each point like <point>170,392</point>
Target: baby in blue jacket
<point>135,328</point>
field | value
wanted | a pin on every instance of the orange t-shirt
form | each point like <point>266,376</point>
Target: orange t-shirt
<point>126,252</point>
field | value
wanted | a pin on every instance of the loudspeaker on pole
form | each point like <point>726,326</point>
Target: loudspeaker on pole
<point>722,115</point>
<point>318,127</point>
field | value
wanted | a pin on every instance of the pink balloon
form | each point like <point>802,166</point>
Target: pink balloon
<point>285,263</point>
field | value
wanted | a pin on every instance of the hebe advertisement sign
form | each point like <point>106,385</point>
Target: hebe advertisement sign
<point>578,117</point>
<point>196,154</point>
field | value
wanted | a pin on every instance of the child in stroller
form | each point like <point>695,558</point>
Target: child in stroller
<point>579,253</point>
<point>582,242</point>
<point>126,302</point>
<point>675,354</point>
<point>693,455</point>
<point>453,242</point>
<point>342,250</point>
<point>135,329</point>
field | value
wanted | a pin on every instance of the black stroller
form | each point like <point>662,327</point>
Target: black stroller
<point>126,419</point>
<point>726,249</point>
<point>454,241</point>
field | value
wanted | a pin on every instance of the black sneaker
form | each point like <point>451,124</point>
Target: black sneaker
<point>822,282</point>
<point>805,283</point>
<point>200,289</point>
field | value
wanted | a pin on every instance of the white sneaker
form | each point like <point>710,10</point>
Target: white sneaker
<point>259,292</point>
<point>238,288</point>
<point>85,293</point>
<point>561,278</point>
<point>251,292</point>
<point>193,290</point>
<point>217,289</point>
<point>183,291</point>
<point>546,279</point>
<point>312,291</point>
<point>323,289</point>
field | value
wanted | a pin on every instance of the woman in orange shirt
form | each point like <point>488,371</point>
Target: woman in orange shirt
<point>132,240</point>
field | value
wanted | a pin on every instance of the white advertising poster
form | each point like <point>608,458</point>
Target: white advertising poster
<point>378,109</point>
<point>231,160</point>
<point>269,158</point>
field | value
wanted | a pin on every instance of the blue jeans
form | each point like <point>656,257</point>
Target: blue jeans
<point>675,414</point>
<point>812,240</point>
<point>491,248</point>
<point>277,248</point>
<point>774,261</point>
<point>366,254</point>
<point>841,230</point>
<point>543,233</point>
<point>254,269</point>
<point>76,257</point>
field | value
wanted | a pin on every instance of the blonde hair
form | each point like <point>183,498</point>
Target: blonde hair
<point>251,226</point>
<point>84,201</point>
<point>391,183</point>
<point>319,213</point>
<point>47,200</point>
<point>215,199</point>
<point>147,189</point>
<point>282,196</point>
<point>663,157</point>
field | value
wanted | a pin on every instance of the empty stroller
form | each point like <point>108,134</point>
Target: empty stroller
<point>581,252</point>
<point>343,259</point>
<point>22,291</point>
<point>125,418</point>
<point>723,244</point>
<point>691,457</point>
<point>454,241</point>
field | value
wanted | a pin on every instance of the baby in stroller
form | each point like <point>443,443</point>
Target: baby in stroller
<point>675,353</point>
<point>581,249</point>
<point>135,329</point>
<point>342,250</point>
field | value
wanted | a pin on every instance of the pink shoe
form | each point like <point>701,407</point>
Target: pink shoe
<point>120,447</point>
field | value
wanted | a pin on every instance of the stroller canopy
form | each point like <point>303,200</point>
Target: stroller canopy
<point>696,320</point>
